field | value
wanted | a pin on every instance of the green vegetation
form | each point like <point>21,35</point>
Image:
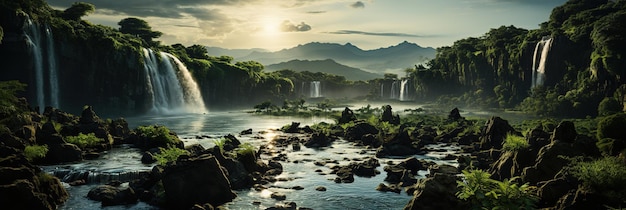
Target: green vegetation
<point>168,155</point>
<point>514,143</point>
<point>483,192</point>
<point>609,106</point>
<point>141,29</point>
<point>246,149</point>
<point>611,134</point>
<point>220,143</point>
<point>606,176</point>
<point>35,152</point>
<point>78,10</point>
<point>84,140</point>
<point>159,134</point>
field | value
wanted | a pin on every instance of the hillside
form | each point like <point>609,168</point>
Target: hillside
<point>325,66</point>
<point>398,57</point>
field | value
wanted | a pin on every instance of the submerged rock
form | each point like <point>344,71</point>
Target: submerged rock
<point>112,195</point>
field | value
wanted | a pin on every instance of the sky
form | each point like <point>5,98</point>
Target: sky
<point>281,24</point>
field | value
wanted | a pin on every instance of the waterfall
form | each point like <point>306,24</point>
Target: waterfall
<point>34,40</point>
<point>52,69</point>
<point>540,57</point>
<point>315,90</point>
<point>38,49</point>
<point>382,90</point>
<point>404,90</point>
<point>171,88</point>
<point>395,90</point>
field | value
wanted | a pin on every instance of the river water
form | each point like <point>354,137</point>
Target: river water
<point>299,170</point>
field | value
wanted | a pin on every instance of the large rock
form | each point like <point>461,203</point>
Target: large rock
<point>111,195</point>
<point>566,132</point>
<point>494,133</point>
<point>347,116</point>
<point>88,116</point>
<point>62,153</point>
<point>359,130</point>
<point>436,192</point>
<point>25,186</point>
<point>318,139</point>
<point>400,144</point>
<point>196,181</point>
<point>388,116</point>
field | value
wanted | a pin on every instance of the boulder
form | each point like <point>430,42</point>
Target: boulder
<point>366,168</point>
<point>359,130</point>
<point>196,180</point>
<point>62,153</point>
<point>88,116</point>
<point>400,144</point>
<point>318,139</point>
<point>293,128</point>
<point>388,116</point>
<point>347,116</point>
<point>388,188</point>
<point>436,192</point>
<point>112,195</point>
<point>455,115</point>
<point>566,132</point>
<point>494,133</point>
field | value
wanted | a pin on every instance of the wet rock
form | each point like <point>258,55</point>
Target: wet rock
<point>366,168</point>
<point>293,128</point>
<point>494,133</point>
<point>347,116</point>
<point>388,116</point>
<point>111,195</point>
<point>278,196</point>
<point>206,206</point>
<point>246,132</point>
<point>359,130</point>
<point>440,188</point>
<point>196,180</point>
<point>148,158</point>
<point>455,115</point>
<point>62,153</point>
<point>285,206</point>
<point>88,116</point>
<point>344,175</point>
<point>400,144</point>
<point>320,188</point>
<point>318,140</point>
<point>442,169</point>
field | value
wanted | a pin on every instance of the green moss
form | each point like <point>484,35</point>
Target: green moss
<point>161,135</point>
<point>84,140</point>
<point>35,152</point>
<point>169,155</point>
<point>606,176</point>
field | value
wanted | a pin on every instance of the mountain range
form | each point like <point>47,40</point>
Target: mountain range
<point>391,59</point>
<point>325,66</point>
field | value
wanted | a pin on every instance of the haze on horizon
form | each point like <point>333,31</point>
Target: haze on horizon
<point>275,25</point>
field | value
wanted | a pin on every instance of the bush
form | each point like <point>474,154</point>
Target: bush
<point>245,149</point>
<point>612,127</point>
<point>609,106</point>
<point>606,175</point>
<point>159,134</point>
<point>220,143</point>
<point>169,155</point>
<point>483,192</point>
<point>84,140</point>
<point>514,143</point>
<point>35,152</point>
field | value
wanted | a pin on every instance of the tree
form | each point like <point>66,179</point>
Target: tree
<point>390,76</point>
<point>78,10</point>
<point>139,28</point>
<point>197,51</point>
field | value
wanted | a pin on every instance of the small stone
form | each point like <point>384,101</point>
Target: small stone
<point>321,189</point>
<point>278,196</point>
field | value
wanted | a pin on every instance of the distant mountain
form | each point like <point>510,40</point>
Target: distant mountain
<point>236,53</point>
<point>326,66</point>
<point>401,56</point>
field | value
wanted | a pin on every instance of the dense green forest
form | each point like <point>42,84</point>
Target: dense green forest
<point>584,68</point>
<point>585,65</point>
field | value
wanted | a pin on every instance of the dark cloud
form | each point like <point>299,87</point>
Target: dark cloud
<point>373,33</point>
<point>316,12</point>
<point>358,4</point>
<point>148,8</point>
<point>288,26</point>
<point>527,2</point>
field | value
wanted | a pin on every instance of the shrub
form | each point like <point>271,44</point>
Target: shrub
<point>612,127</point>
<point>246,149</point>
<point>606,175</point>
<point>161,135</point>
<point>84,140</point>
<point>609,106</point>
<point>483,192</point>
<point>35,152</point>
<point>169,155</point>
<point>514,143</point>
<point>220,143</point>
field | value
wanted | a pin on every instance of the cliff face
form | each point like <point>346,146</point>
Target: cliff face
<point>94,64</point>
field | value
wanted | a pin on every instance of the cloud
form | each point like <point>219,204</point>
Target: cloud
<point>288,26</point>
<point>373,33</point>
<point>358,4</point>
<point>316,12</point>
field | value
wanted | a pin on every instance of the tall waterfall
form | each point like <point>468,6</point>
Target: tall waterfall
<point>540,57</point>
<point>404,90</point>
<point>315,89</point>
<point>171,87</point>
<point>382,90</point>
<point>39,47</point>
<point>395,90</point>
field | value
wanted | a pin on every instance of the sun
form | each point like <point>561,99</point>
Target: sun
<point>270,26</point>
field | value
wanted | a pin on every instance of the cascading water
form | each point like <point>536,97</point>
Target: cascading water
<point>404,90</point>
<point>540,58</point>
<point>395,90</point>
<point>38,49</point>
<point>382,90</point>
<point>52,69</point>
<point>315,90</point>
<point>172,89</point>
